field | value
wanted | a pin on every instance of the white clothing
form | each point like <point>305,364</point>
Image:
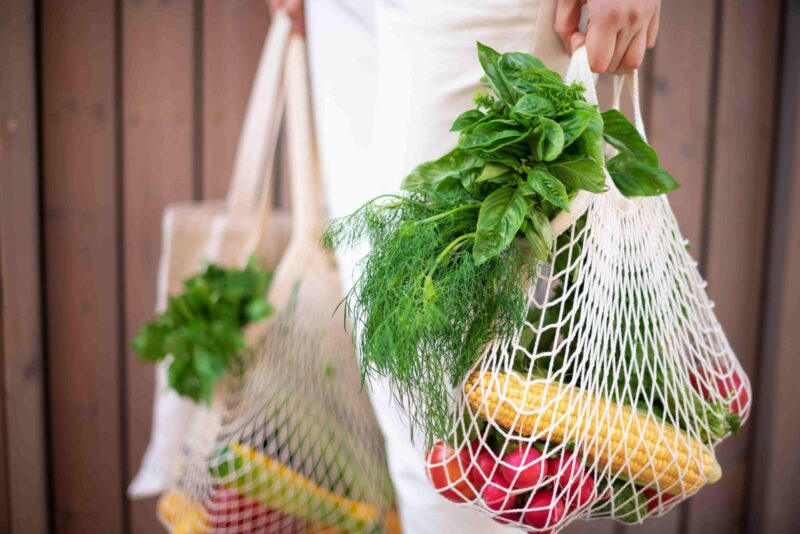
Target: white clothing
<point>389,78</point>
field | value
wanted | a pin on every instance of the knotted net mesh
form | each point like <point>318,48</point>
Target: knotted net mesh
<point>291,444</point>
<point>609,400</point>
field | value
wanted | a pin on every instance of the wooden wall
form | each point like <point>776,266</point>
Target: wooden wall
<point>110,110</point>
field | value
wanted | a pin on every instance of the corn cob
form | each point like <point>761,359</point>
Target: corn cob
<point>273,484</point>
<point>633,445</point>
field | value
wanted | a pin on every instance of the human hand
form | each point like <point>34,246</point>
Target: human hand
<point>295,10</point>
<point>617,35</point>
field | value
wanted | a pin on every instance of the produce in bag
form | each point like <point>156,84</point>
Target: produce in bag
<point>290,444</point>
<point>538,315</point>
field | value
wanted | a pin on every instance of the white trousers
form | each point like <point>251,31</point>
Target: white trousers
<point>389,77</point>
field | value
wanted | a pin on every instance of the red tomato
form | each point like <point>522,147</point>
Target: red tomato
<point>524,471</point>
<point>544,510</point>
<point>446,471</point>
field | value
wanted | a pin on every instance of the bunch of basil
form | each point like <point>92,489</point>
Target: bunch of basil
<point>447,270</point>
<point>527,150</point>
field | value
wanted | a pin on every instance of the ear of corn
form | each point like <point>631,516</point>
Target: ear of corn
<point>273,484</point>
<point>636,447</point>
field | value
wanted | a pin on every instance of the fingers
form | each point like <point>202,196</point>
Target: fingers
<point>624,39</point>
<point>634,55</point>
<point>568,16</point>
<point>601,38</point>
<point>652,29</point>
<point>578,40</point>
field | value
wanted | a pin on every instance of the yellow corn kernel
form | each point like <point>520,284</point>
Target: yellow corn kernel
<point>651,451</point>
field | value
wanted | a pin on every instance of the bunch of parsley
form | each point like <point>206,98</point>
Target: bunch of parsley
<point>201,330</point>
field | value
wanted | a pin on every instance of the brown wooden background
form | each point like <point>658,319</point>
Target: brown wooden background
<point>110,110</point>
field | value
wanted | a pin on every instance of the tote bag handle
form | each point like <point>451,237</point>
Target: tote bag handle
<point>580,71</point>
<point>255,153</point>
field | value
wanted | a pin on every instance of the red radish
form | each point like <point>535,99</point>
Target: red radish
<point>445,468</point>
<point>482,468</point>
<point>544,510</point>
<point>227,509</point>
<point>654,499</point>
<point>496,494</point>
<point>582,493</point>
<point>508,518</point>
<point>524,471</point>
<point>729,386</point>
<point>566,469</point>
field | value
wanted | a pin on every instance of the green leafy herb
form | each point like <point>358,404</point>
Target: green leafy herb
<point>201,328</point>
<point>452,255</point>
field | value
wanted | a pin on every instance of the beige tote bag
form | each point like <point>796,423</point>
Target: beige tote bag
<point>225,232</point>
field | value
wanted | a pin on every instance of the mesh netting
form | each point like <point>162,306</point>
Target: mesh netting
<point>292,445</point>
<point>609,400</point>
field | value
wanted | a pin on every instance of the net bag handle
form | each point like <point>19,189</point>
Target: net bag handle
<point>579,71</point>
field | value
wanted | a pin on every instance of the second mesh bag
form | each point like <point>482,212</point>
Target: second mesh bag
<point>291,444</point>
<point>610,399</point>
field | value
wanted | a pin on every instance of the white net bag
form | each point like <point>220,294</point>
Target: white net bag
<point>290,444</point>
<point>609,401</point>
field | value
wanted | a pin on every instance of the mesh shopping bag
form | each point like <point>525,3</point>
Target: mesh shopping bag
<point>226,233</point>
<point>290,444</point>
<point>610,398</point>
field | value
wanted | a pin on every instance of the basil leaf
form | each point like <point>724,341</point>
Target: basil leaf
<point>591,141</point>
<point>466,119</point>
<point>549,187</point>
<point>635,177</point>
<point>547,140</point>
<point>490,61</point>
<point>443,174</point>
<point>577,172</point>
<point>492,135</point>
<point>574,122</point>
<point>538,234</point>
<point>622,135</point>
<point>512,63</point>
<point>499,219</point>
<point>491,171</point>
<point>531,106</point>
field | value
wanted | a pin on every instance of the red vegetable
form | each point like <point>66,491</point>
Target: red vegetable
<point>544,510</point>
<point>482,468</point>
<point>524,470</point>
<point>729,386</point>
<point>228,510</point>
<point>654,499</point>
<point>582,493</point>
<point>566,469</point>
<point>497,494</point>
<point>445,468</point>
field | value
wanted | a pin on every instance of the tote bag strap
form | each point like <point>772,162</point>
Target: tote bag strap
<point>251,180</point>
<point>580,71</point>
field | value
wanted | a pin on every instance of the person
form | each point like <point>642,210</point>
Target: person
<point>389,77</point>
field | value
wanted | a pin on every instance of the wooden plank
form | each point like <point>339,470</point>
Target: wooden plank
<point>24,451</point>
<point>157,130</point>
<point>774,500</point>
<point>233,36</point>
<point>81,235</point>
<point>736,215</point>
<point>678,122</point>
